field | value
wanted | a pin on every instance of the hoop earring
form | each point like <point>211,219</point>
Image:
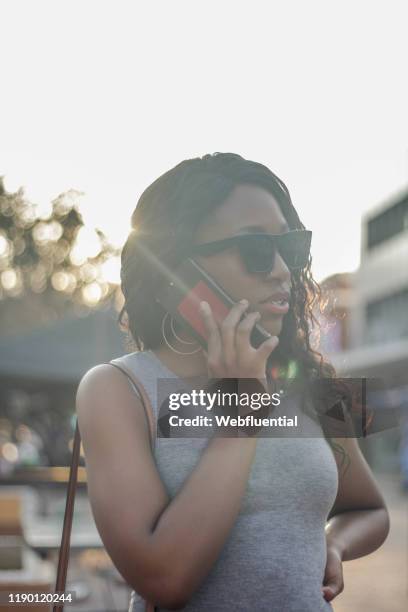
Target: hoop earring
<point>176,336</point>
<point>168,343</point>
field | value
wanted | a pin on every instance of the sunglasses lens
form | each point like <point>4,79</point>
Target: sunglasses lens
<point>258,253</point>
<point>295,248</point>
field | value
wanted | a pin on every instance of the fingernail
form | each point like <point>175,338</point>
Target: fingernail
<point>204,307</point>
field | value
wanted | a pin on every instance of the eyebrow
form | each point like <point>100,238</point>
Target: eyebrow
<point>284,227</point>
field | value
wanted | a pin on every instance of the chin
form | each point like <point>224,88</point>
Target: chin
<point>273,327</point>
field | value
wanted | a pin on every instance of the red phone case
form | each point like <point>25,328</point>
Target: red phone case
<point>183,293</point>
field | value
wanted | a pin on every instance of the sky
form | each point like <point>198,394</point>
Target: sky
<point>104,97</point>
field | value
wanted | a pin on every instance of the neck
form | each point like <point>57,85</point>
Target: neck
<point>179,360</point>
<point>184,366</point>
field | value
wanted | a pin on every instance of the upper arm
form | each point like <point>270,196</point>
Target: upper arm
<point>125,491</point>
<point>357,488</point>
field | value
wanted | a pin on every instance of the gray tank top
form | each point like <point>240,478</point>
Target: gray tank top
<point>275,555</point>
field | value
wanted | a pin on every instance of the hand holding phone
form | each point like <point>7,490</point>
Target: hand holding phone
<point>181,297</point>
<point>230,353</point>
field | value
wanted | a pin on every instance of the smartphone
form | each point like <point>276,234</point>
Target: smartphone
<point>183,292</point>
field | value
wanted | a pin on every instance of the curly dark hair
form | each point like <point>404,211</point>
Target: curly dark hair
<point>164,224</point>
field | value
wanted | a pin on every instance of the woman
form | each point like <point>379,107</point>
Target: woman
<point>226,523</point>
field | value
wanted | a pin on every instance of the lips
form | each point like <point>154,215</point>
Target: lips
<point>277,303</point>
<point>278,297</point>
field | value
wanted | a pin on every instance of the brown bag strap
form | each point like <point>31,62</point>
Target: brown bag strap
<point>72,483</point>
<point>144,397</point>
<point>66,530</point>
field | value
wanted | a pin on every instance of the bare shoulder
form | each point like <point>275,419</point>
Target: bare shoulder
<point>100,375</point>
<point>105,399</point>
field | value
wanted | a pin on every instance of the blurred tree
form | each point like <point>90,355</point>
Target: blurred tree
<point>50,262</point>
<point>51,266</point>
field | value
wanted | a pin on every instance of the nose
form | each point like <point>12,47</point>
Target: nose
<point>280,270</point>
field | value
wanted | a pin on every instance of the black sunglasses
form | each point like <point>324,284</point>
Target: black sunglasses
<point>258,250</point>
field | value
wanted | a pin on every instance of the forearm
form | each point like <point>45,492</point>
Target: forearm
<point>192,530</point>
<point>358,532</point>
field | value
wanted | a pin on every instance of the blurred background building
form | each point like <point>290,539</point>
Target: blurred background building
<point>365,324</point>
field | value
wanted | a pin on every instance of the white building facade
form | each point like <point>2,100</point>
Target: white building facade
<point>378,325</point>
<point>377,329</point>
